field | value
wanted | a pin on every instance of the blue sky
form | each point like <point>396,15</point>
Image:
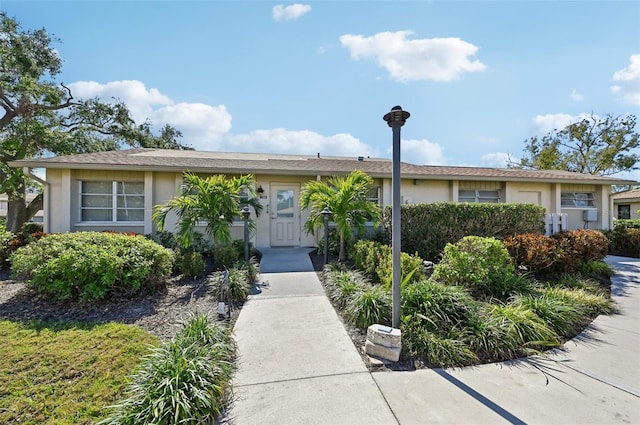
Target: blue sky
<point>478,77</point>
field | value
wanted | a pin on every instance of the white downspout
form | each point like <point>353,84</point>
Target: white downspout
<point>45,196</point>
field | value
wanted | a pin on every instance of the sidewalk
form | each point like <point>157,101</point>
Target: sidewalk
<point>299,366</point>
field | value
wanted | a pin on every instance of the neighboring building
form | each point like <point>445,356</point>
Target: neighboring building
<point>116,190</point>
<point>626,205</point>
<point>4,206</point>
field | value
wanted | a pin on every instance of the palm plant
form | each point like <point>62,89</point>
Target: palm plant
<point>215,200</point>
<point>346,197</point>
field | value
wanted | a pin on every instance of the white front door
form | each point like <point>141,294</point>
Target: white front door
<point>285,215</point>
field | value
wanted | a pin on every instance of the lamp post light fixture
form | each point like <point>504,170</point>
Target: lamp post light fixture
<point>396,119</point>
<point>245,215</point>
<point>326,213</point>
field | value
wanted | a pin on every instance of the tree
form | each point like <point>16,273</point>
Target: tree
<point>346,197</point>
<point>215,200</point>
<point>594,145</point>
<point>43,118</point>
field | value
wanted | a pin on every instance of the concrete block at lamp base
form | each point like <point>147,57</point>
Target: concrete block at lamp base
<point>380,351</point>
<point>385,336</point>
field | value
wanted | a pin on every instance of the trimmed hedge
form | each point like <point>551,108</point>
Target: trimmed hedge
<point>90,266</point>
<point>564,252</point>
<point>624,241</point>
<point>428,228</point>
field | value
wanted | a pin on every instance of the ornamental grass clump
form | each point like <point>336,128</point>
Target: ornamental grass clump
<point>342,286</point>
<point>436,350</point>
<point>522,328</point>
<point>231,285</point>
<point>563,317</point>
<point>368,306</point>
<point>186,381</point>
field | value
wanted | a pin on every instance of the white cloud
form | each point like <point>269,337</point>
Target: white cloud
<point>304,142</point>
<point>201,125</point>
<point>629,79</point>
<point>134,94</point>
<point>543,124</point>
<point>495,160</point>
<point>289,13</point>
<point>577,97</point>
<point>420,152</point>
<point>434,59</point>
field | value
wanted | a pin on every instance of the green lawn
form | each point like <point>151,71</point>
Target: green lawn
<point>66,373</point>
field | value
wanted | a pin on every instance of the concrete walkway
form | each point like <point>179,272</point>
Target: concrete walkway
<point>297,363</point>
<point>298,366</point>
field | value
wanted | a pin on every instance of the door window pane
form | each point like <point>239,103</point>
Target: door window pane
<point>285,204</point>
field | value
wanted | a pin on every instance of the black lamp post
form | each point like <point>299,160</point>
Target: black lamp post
<point>245,214</point>
<point>396,119</point>
<point>326,213</point>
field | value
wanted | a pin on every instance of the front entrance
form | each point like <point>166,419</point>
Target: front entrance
<point>285,215</point>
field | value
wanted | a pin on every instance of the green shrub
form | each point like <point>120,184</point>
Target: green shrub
<point>376,262</point>
<point>624,241</point>
<point>482,265</point>
<point>411,269</point>
<point>238,245</point>
<point>5,237</point>
<point>428,228</point>
<point>92,265</point>
<point>225,256</point>
<point>9,242</point>
<point>334,242</point>
<point>366,255</point>
<point>626,223</point>
<point>187,381</point>
<point>164,238</point>
<point>190,264</point>
<point>368,306</point>
<point>596,269</point>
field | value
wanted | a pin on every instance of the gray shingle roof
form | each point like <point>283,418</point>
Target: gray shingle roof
<point>229,162</point>
<point>628,194</point>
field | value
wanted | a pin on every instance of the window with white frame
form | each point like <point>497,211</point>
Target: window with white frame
<point>373,195</point>
<point>111,201</point>
<point>479,195</point>
<point>577,199</point>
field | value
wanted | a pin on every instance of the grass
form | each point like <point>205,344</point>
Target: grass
<point>65,373</point>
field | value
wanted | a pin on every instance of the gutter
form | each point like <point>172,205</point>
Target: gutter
<point>45,198</point>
